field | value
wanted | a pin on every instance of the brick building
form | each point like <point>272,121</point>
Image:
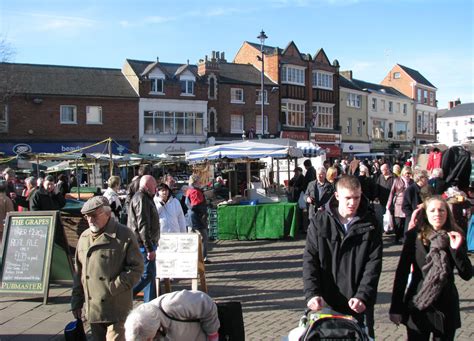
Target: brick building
<point>413,84</point>
<point>234,99</point>
<point>309,92</point>
<point>172,109</point>
<point>48,108</point>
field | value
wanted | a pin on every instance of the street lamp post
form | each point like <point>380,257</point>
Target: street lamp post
<point>262,38</point>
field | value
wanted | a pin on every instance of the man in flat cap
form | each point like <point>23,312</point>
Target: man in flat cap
<point>108,266</point>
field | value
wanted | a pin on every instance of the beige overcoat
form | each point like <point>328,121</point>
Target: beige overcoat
<point>107,270</point>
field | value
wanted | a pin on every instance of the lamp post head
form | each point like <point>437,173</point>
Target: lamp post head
<point>262,37</point>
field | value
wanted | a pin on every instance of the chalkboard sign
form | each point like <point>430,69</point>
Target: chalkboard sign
<point>27,252</point>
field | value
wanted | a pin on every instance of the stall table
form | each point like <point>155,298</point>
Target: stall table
<point>263,221</point>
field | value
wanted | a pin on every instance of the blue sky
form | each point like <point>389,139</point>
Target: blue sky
<point>434,37</point>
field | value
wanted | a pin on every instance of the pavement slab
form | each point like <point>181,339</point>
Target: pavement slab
<point>264,275</point>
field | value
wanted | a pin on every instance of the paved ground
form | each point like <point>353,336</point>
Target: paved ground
<point>264,275</point>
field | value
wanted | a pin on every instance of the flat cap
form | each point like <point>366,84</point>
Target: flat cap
<point>93,204</point>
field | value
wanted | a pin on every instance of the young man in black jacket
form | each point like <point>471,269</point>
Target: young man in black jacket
<point>342,260</point>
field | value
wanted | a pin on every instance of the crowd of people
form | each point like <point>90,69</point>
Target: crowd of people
<point>347,207</point>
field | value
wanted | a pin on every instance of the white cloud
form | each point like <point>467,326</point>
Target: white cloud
<point>38,21</point>
<point>157,19</point>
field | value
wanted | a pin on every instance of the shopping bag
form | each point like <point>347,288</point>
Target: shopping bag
<point>301,201</point>
<point>74,331</point>
<point>387,221</point>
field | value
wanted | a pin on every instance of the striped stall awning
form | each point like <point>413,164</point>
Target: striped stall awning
<point>310,149</point>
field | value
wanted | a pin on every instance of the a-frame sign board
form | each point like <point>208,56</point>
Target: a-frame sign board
<point>29,254</point>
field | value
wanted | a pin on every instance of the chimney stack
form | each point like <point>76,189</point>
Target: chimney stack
<point>347,74</point>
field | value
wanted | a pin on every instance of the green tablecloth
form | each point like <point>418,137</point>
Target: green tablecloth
<point>265,221</point>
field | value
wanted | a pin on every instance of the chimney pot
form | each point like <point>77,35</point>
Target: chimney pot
<point>213,54</point>
<point>222,56</point>
<point>451,104</point>
<point>217,55</point>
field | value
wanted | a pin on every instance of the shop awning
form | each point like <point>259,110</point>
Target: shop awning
<point>332,150</point>
<point>310,149</point>
<point>243,150</point>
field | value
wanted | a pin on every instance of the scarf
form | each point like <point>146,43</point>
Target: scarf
<point>436,270</point>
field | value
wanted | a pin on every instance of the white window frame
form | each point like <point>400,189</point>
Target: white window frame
<point>292,74</point>
<point>4,119</point>
<point>323,80</point>
<point>324,114</point>
<point>354,100</point>
<point>190,121</point>
<point>258,124</point>
<point>74,120</point>
<point>396,75</point>
<point>237,95</point>
<point>154,85</point>
<point>294,112</point>
<point>390,107</point>
<point>381,133</point>
<point>396,131</point>
<point>349,126</point>
<point>89,108</point>
<point>432,100</point>
<point>425,96</point>
<point>189,87</point>
<point>418,95</point>
<point>359,127</point>
<point>405,109</point>
<point>259,97</point>
<point>236,124</point>
<point>374,104</point>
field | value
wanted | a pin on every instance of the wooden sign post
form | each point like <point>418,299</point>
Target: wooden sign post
<point>179,255</point>
<point>27,253</point>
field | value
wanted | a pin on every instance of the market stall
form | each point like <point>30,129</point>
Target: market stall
<point>273,219</point>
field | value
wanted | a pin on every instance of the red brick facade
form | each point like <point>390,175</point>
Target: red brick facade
<point>41,122</point>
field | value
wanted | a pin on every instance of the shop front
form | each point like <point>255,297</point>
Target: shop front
<point>350,148</point>
<point>331,143</point>
<point>58,147</point>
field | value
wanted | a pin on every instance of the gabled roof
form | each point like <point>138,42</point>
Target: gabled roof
<point>64,80</point>
<point>292,43</point>
<point>170,69</point>
<point>381,89</point>
<point>321,51</point>
<point>245,74</point>
<point>416,76</point>
<point>466,109</point>
<point>266,48</point>
<point>349,84</point>
<point>441,112</point>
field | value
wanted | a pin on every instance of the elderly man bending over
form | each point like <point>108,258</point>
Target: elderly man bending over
<point>178,316</point>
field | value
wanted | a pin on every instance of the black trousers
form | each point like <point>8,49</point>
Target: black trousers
<point>399,227</point>
<point>415,335</point>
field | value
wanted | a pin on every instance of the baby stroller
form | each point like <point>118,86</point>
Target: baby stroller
<point>328,325</point>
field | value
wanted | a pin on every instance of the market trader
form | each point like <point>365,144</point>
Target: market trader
<point>108,265</point>
<point>342,260</point>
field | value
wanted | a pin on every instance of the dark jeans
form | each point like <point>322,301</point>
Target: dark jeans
<point>147,282</point>
<point>419,336</point>
<point>399,227</point>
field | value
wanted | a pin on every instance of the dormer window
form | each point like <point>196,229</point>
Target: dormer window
<point>187,87</point>
<point>157,85</point>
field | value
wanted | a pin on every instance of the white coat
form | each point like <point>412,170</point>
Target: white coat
<point>171,216</point>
